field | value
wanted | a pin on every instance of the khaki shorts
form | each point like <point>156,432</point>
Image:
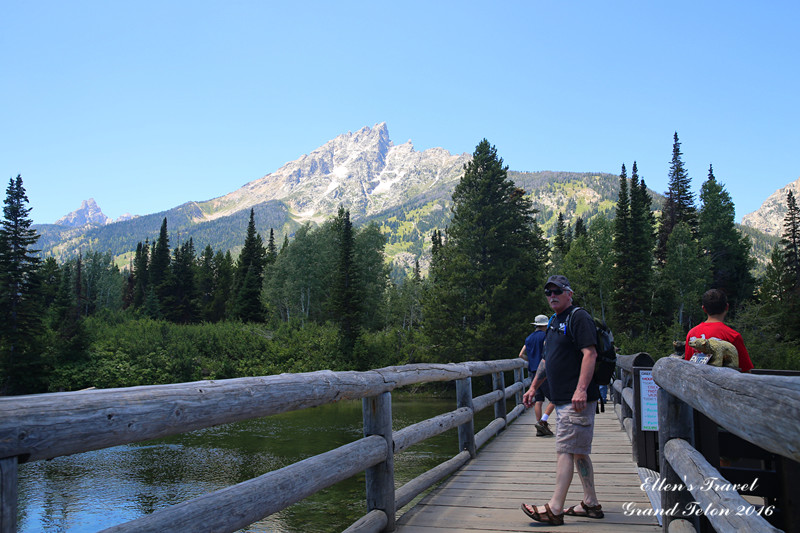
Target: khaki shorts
<point>574,429</point>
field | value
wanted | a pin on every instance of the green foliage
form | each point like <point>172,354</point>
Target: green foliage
<point>633,253</point>
<point>249,276</point>
<point>685,276</point>
<point>487,274</point>
<point>21,364</point>
<point>590,264</point>
<point>679,204</point>
<point>727,249</point>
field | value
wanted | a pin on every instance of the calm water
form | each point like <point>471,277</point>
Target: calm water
<point>95,490</point>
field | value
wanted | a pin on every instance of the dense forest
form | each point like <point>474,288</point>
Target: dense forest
<point>326,299</point>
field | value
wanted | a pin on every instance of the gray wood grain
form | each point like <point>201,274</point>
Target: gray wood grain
<point>723,507</point>
<point>757,408</point>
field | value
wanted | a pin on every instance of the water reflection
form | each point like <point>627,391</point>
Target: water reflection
<point>95,490</point>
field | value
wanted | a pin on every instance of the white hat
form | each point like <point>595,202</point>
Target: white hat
<point>540,320</point>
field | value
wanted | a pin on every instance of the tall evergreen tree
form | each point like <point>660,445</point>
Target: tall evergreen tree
<point>205,283</point>
<point>346,296</point>
<point>250,276</point>
<point>580,228</point>
<point>272,250</point>
<point>679,205</point>
<point>640,254</point>
<point>790,242</point>
<point>621,297</point>
<point>561,243</point>
<point>487,276</point>
<point>72,338</point>
<point>726,247</point>
<point>180,302</point>
<point>158,270</point>
<point>140,273</point>
<point>223,285</point>
<point>21,320</point>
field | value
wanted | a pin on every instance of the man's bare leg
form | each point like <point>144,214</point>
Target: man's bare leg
<point>564,470</point>
<point>583,464</point>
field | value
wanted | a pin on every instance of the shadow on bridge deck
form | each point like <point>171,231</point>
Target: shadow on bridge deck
<point>519,467</point>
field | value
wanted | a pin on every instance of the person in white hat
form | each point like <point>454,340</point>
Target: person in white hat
<point>532,352</point>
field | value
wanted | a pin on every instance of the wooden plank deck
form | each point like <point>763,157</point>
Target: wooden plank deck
<point>519,467</point>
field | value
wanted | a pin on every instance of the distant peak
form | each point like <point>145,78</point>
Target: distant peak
<point>87,213</point>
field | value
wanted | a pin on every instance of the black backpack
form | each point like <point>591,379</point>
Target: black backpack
<point>606,362</point>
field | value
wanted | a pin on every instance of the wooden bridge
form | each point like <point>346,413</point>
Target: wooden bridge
<point>483,492</point>
<point>517,467</point>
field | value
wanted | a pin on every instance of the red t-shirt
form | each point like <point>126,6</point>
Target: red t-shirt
<point>718,330</point>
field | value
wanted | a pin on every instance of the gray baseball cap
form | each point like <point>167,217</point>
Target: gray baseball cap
<point>559,281</point>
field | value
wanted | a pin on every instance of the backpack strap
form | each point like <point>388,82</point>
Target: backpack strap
<point>569,321</point>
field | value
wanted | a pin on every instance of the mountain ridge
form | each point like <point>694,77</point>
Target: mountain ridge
<point>406,192</point>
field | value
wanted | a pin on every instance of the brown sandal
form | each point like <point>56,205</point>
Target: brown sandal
<point>546,517</point>
<point>591,511</point>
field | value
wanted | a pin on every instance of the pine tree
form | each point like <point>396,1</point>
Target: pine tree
<point>205,283</point>
<point>790,242</point>
<point>180,295</point>
<point>488,274</point>
<point>272,250</point>
<point>223,285</point>
<point>679,205</point>
<point>73,339</point>
<point>728,250</point>
<point>158,270</point>
<point>250,276</point>
<point>621,297</point>
<point>640,254</point>
<point>21,320</point>
<point>580,228</point>
<point>140,273</point>
<point>346,295</point>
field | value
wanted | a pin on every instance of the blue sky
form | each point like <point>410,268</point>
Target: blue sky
<point>146,105</point>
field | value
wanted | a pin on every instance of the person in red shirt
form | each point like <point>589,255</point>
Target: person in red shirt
<point>715,305</point>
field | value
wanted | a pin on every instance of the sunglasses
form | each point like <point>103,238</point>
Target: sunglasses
<point>548,292</point>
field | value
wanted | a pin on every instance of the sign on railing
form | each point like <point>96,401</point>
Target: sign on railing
<point>648,401</point>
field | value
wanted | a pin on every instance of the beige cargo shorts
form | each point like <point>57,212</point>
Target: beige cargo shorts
<point>574,429</point>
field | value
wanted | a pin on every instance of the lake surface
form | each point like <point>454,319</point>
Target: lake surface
<point>96,490</point>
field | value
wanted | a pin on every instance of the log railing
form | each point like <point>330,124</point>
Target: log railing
<point>45,426</point>
<point>761,409</point>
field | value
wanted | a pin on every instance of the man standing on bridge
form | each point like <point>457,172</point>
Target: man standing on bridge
<point>568,366</point>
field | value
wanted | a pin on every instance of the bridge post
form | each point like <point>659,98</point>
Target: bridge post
<point>675,421</point>
<point>8,495</point>
<point>519,377</point>
<point>377,415</point>
<point>466,431</point>
<point>499,383</point>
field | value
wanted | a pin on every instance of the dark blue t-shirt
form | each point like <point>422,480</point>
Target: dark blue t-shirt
<point>564,356</point>
<point>533,347</point>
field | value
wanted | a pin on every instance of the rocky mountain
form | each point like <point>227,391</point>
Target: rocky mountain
<point>769,217</point>
<point>362,171</point>
<point>405,192</point>
<point>87,213</point>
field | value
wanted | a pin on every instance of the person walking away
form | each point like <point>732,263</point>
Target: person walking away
<point>532,352</point>
<point>568,366</point>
